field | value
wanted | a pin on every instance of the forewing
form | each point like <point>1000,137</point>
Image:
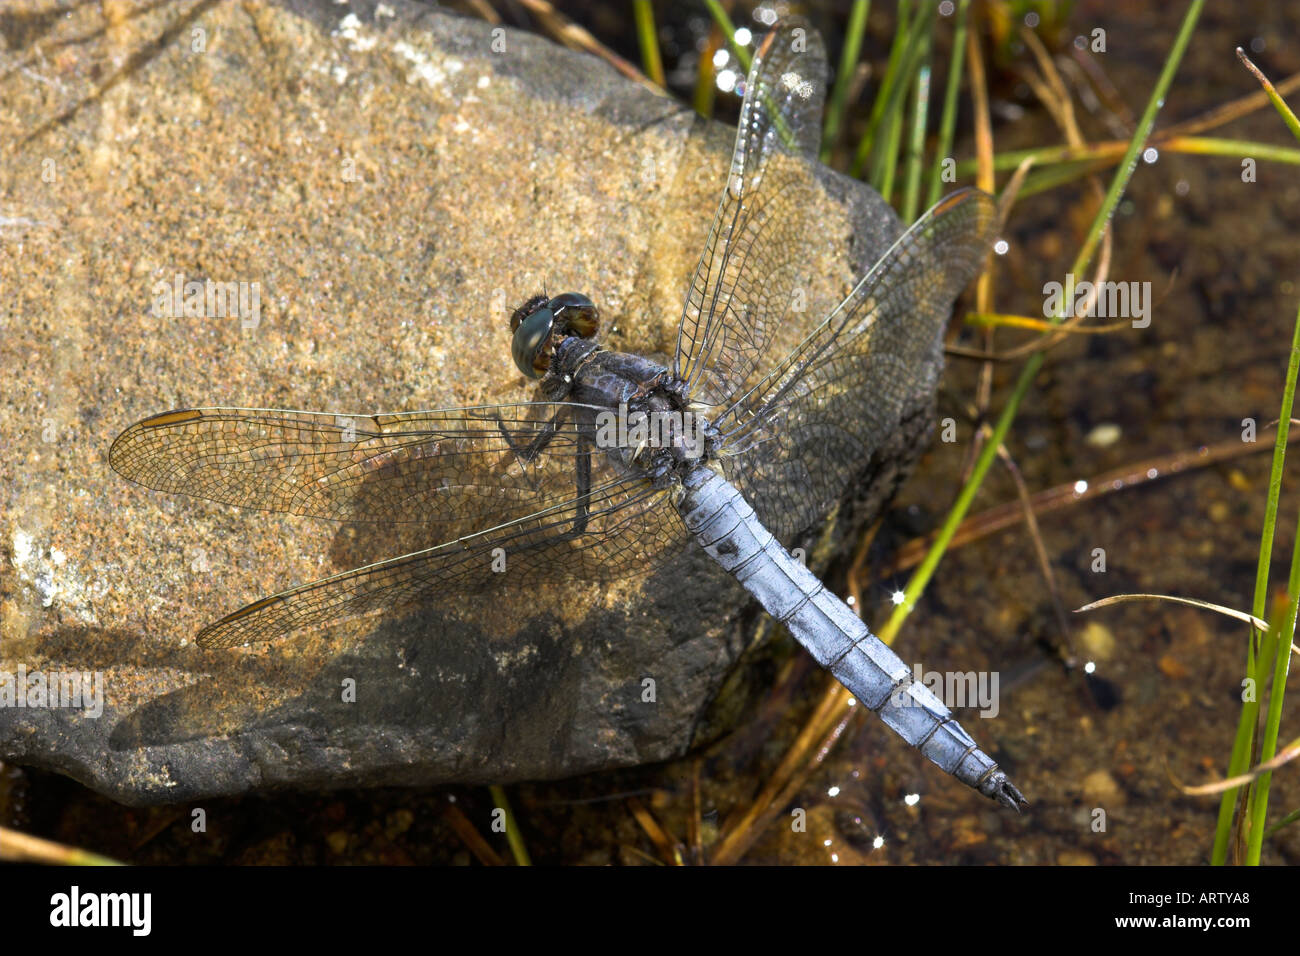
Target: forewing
<point>445,467</point>
<point>810,426</point>
<point>619,528</point>
<point>753,258</point>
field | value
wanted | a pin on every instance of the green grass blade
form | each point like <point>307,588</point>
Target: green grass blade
<point>1250,709</point>
<point>883,179</point>
<point>705,88</point>
<point>1286,821</point>
<point>884,160</point>
<point>651,62</point>
<point>1274,97</point>
<point>1236,148</point>
<point>921,577</point>
<point>513,836</point>
<point>916,145</point>
<point>1108,153</point>
<point>1056,176</point>
<point>883,94</point>
<point>849,56</point>
<point>728,33</point>
<point>948,120</point>
<point>1257,804</point>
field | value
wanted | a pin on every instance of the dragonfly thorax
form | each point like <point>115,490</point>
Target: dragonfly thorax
<point>635,411</point>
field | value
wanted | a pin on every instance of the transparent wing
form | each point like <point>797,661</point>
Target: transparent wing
<point>623,527</point>
<point>801,434</point>
<point>440,467</point>
<point>752,260</point>
<point>555,506</point>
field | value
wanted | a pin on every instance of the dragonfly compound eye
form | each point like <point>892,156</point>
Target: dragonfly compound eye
<point>531,343</point>
<point>576,314</point>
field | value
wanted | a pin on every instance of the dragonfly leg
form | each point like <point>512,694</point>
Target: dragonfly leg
<point>529,450</point>
<point>584,489</point>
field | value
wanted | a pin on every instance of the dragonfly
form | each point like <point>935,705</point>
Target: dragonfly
<point>619,463</point>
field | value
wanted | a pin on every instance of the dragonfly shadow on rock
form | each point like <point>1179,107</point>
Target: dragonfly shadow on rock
<point>439,696</point>
<point>490,685</point>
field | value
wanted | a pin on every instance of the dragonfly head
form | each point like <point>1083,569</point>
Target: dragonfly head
<point>540,324</point>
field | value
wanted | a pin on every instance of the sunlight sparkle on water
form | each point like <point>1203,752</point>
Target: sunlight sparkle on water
<point>877,843</point>
<point>1080,487</point>
<point>912,799</point>
<point>1090,667</point>
<point>726,80</point>
<point>833,792</point>
<point>1001,247</point>
<point>898,597</point>
<point>743,36</point>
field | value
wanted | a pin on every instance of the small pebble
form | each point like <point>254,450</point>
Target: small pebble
<point>1098,641</point>
<point>398,823</point>
<point>1100,788</point>
<point>1172,667</point>
<point>1104,435</point>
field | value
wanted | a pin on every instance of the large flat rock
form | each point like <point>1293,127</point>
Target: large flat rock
<point>394,181</point>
